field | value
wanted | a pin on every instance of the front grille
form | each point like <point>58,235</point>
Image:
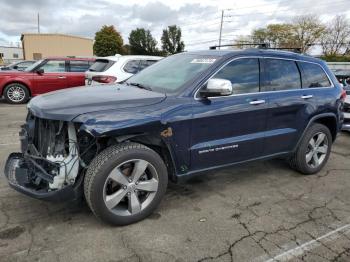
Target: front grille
<point>49,137</point>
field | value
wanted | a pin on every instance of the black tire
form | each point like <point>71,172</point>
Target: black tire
<point>298,159</point>
<point>24,93</point>
<point>99,170</point>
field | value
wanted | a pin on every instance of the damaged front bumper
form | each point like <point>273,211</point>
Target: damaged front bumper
<point>48,166</point>
<point>17,173</point>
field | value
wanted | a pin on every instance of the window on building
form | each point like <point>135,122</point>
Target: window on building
<point>314,76</point>
<point>1,55</point>
<point>37,56</point>
<point>243,74</point>
<point>15,55</point>
<point>282,74</point>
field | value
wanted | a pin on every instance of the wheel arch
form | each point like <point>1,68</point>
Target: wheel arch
<point>17,82</point>
<point>152,141</point>
<point>160,146</point>
<point>327,119</point>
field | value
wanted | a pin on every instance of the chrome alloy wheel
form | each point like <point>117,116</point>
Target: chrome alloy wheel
<point>130,187</point>
<point>16,93</point>
<point>317,150</point>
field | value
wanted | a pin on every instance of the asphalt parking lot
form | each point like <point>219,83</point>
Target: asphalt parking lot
<point>255,212</point>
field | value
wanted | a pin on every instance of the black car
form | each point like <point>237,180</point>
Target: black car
<point>187,114</point>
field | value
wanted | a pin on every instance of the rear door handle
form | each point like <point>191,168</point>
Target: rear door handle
<point>307,96</point>
<point>257,102</point>
<point>61,77</point>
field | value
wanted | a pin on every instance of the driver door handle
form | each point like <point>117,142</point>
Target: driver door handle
<point>257,102</point>
<point>307,96</point>
<point>61,77</point>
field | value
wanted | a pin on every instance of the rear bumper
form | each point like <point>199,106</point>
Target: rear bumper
<point>16,173</point>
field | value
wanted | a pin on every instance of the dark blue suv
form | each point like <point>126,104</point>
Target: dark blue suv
<point>187,114</point>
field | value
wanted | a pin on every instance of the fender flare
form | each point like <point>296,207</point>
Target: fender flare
<point>313,120</point>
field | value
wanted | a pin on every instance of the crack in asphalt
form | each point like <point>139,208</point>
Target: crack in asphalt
<point>311,218</point>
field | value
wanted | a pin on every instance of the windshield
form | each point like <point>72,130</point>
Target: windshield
<point>31,67</point>
<point>171,73</point>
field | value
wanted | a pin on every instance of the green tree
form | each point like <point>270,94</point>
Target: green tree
<point>336,37</point>
<point>275,36</point>
<point>307,30</point>
<point>171,40</point>
<point>142,42</point>
<point>108,42</point>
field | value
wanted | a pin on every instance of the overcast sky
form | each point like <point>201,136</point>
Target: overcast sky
<point>199,20</point>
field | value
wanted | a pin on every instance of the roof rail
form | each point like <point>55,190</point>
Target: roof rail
<point>260,46</point>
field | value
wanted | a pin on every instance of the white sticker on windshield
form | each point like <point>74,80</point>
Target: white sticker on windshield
<point>203,61</point>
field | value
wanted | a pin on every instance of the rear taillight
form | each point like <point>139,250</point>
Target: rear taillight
<point>104,79</point>
<point>343,95</point>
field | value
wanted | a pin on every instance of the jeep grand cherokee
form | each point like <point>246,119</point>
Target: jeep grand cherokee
<point>187,114</point>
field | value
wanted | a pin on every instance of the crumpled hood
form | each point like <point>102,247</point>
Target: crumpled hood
<point>69,103</point>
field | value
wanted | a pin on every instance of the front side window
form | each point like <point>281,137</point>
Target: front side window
<point>54,66</point>
<point>282,74</point>
<point>132,66</point>
<point>314,76</point>
<point>243,74</point>
<point>78,66</point>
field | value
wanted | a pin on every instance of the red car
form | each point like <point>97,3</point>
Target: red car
<point>44,76</point>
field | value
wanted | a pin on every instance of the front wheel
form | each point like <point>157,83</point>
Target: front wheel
<point>125,183</point>
<point>313,151</point>
<point>16,93</point>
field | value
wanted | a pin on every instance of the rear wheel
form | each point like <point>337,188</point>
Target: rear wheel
<point>16,93</point>
<point>313,151</point>
<point>125,183</point>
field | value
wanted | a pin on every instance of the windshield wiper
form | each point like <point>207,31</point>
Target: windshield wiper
<point>140,86</point>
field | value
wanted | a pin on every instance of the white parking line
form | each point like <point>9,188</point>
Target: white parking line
<point>299,250</point>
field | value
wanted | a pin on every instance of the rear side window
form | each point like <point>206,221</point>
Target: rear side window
<point>101,65</point>
<point>146,63</point>
<point>243,74</point>
<point>282,74</point>
<point>314,76</point>
<point>79,66</point>
<point>132,66</point>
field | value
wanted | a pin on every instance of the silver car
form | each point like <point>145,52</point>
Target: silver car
<point>346,125</point>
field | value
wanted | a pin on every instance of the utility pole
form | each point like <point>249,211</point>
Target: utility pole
<point>222,20</point>
<point>38,24</point>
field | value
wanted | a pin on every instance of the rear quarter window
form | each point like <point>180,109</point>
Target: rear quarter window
<point>146,63</point>
<point>78,65</point>
<point>101,65</point>
<point>132,66</point>
<point>314,76</point>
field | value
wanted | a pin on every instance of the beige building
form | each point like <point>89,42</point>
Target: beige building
<point>38,46</point>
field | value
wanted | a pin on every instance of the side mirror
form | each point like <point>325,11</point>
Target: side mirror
<point>15,67</point>
<point>40,71</point>
<point>217,87</point>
